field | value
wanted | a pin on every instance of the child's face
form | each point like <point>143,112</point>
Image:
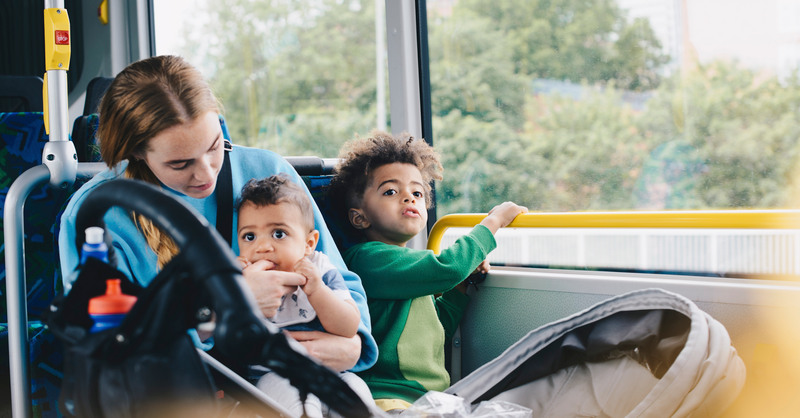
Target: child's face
<point>393,209</point>
<point>274,233</point>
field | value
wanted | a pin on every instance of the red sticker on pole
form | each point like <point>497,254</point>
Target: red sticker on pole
<point>62,37</point>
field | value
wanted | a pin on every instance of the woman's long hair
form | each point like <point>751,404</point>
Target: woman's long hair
<point>146,98</point>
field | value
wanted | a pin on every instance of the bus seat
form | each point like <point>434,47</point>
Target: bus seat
<point>20,93</point>
<point>343,235</point>
<point>94,92</point>
<point>85,126</point>
<point>84,130</point>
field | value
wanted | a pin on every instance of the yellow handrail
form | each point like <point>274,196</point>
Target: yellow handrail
<point>716,219</point>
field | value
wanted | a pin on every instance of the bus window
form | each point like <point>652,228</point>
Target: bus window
<point>620,104</point>
<point>296,77</point>
<point>616,105</point>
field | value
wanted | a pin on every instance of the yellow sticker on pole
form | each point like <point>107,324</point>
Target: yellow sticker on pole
<point>57,39</point>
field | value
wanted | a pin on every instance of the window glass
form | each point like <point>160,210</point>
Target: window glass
<point>296,77</point>
<point>615,104</point>
<point>587,105</point>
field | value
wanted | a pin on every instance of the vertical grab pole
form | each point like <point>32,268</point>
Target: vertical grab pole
<point>60,166</point>
<point>15,288</point>
<point>59,153</point>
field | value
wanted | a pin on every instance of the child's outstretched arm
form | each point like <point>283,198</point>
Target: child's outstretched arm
<point>338,316</point>
<point>499,217</point>
<point>502,215</point>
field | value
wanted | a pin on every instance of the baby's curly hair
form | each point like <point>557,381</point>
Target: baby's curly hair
<point>360,157</point>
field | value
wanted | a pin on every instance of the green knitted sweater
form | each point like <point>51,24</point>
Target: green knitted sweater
<point>408,322</point>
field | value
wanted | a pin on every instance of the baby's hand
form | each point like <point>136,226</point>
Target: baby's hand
<point>311,273</point>
<point>243,261</point>
<point>502,215</point>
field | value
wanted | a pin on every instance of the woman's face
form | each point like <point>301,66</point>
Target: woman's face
<point>187,158</point>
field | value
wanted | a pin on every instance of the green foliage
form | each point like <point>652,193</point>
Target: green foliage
<point>472,71</point>
<point>721,137</point>
<point>610,132</point>
<point>743,126</point>
<point>298,78</point>
<point>503,141</point>
<point>718,137</point>
<point>483,162</point>
<point>575,40</point>
<point>589,149</point>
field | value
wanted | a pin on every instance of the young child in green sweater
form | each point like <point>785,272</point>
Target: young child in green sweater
<point>383,186</point>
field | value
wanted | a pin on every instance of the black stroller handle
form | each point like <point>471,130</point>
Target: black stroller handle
<point>241,333</point>
<point>210,255</point>
<point>191,232</point>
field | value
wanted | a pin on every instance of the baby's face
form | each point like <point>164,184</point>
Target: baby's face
<point>275,233</point>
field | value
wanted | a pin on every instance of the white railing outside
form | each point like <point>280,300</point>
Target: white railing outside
<point>721,251</point>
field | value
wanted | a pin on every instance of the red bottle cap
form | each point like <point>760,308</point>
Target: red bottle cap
<point>113,302</point>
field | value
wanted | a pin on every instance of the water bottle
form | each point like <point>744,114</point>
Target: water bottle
<point>107,311</point>
<point>95,246</point>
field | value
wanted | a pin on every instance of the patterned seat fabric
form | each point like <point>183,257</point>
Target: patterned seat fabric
<point>343,234</point>
<point>83,136</point>
<point>23,138</point>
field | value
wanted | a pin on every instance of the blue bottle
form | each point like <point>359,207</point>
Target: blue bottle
<point>94,246</point>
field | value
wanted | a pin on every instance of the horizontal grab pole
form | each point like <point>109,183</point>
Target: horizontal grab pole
<point>700,219</point>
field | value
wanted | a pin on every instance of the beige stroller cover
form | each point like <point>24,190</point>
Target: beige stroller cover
<point>647,353</point>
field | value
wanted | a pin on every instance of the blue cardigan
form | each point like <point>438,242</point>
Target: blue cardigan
<point>137,260</point>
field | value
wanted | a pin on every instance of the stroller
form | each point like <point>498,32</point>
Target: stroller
<point>646,353</point>
<point>148,366</point>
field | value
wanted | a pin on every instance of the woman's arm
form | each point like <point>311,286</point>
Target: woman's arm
<point>338,353</point>
<point>132,255</point>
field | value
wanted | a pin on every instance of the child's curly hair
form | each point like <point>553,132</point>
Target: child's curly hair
<point>360,157</point>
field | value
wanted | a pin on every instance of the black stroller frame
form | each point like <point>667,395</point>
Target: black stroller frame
<point>213,280</point>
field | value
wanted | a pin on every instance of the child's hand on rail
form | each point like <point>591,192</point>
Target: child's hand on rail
<point>502,215</point>
<point>483,267</point>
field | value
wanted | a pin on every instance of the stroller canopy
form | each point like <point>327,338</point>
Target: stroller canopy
<point>647,353</point>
